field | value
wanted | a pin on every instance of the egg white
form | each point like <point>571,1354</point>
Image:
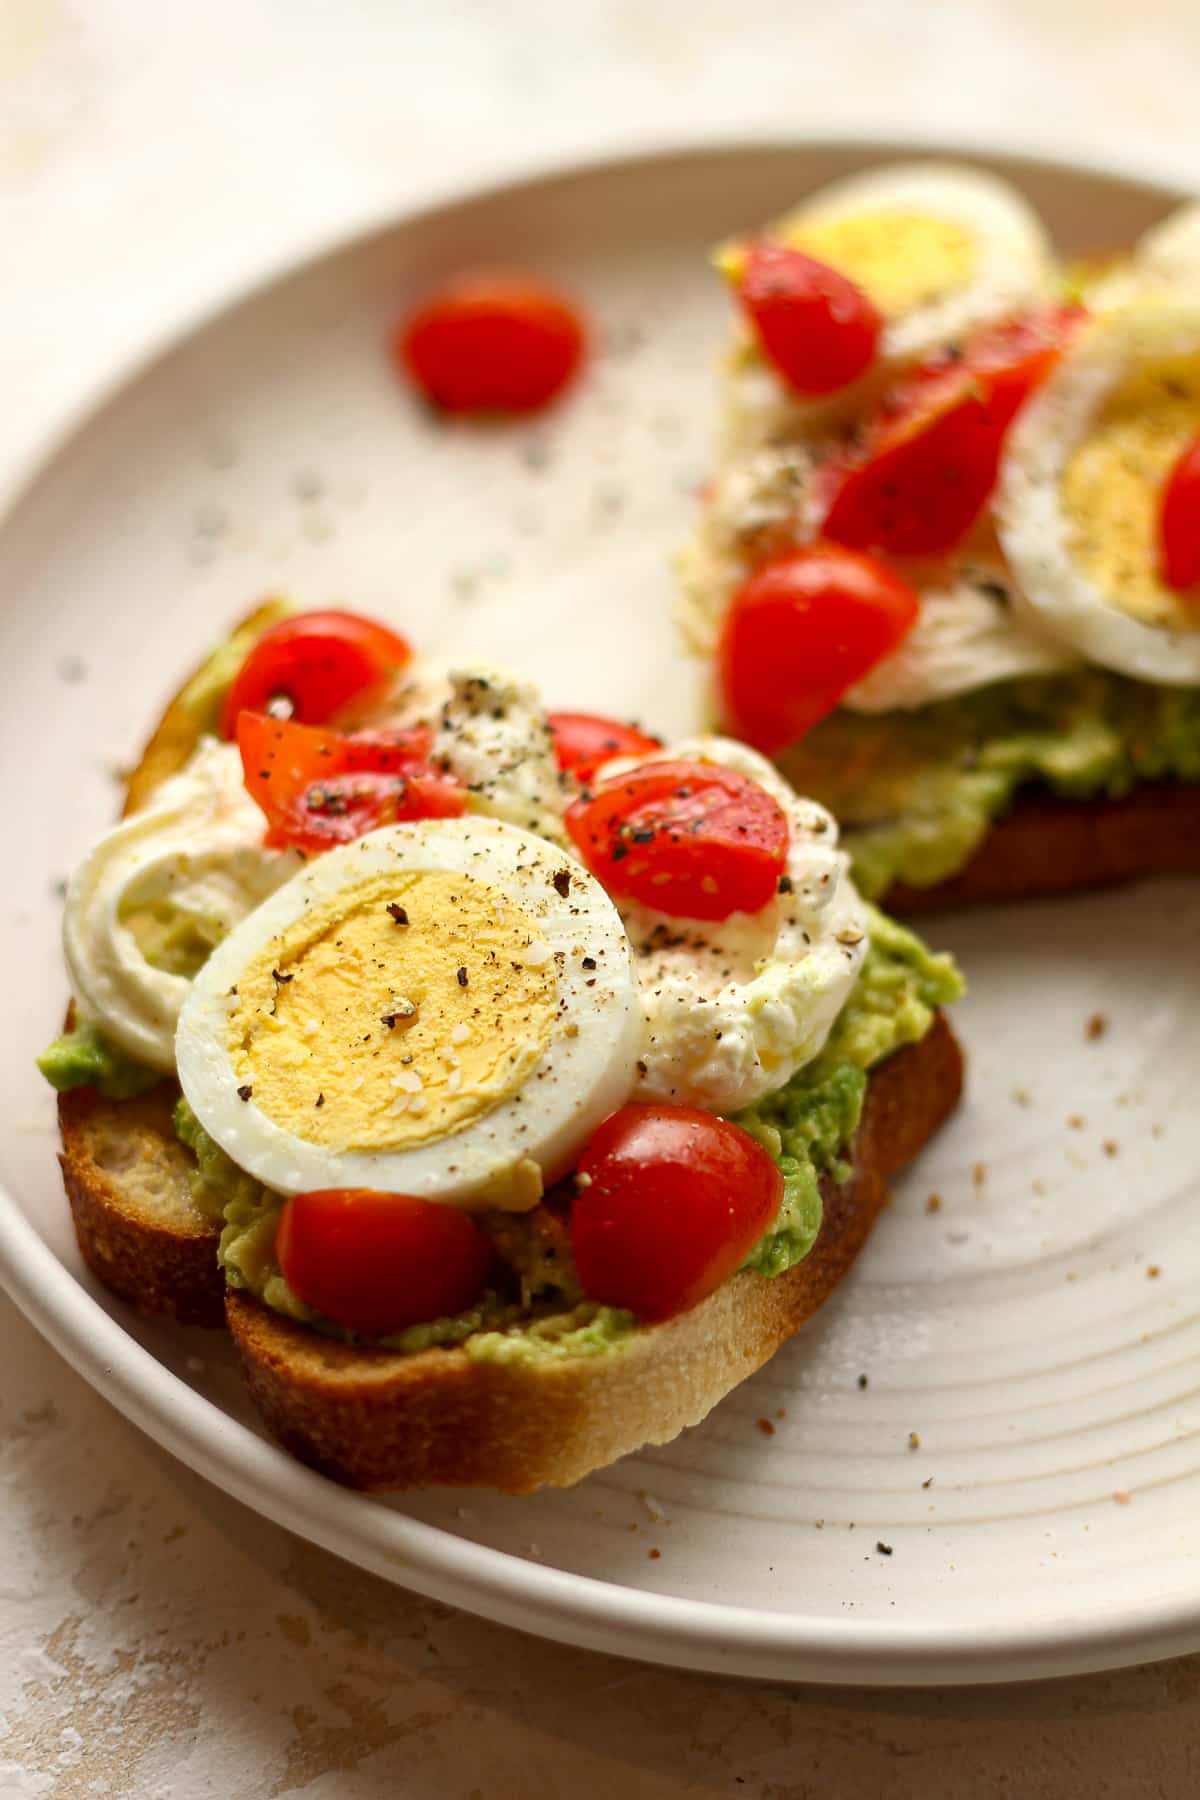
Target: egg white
<point>585,1072</point>
<point>1055,592</point>
<point>1165,259</point>
<point>195,851</point>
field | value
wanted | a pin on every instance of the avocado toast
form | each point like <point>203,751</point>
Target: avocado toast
<point>541,1374</point>
<point>954,594</point>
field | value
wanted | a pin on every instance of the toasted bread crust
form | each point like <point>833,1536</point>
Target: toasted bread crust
<point>375,1420</point>
<point>1047,845</point>
<point>126,1179</point>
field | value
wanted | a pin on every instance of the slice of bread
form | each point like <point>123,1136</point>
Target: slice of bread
<point>376,1420</point>
<point>1047,845</point>
<point>140,1232</point>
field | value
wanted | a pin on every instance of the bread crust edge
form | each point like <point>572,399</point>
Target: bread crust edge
<point>375,1420</point>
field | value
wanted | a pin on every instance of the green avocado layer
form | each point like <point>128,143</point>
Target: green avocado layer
<point>915,792</point>
<point>807,1127</point>
<point>83,1057</point>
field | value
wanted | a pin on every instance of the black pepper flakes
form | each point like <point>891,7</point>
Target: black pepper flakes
<point>320,1100</point>
<point>278,976</point>
<point>245,1091</point>
<point>562,883</point>
<point>463,978</point>
<point>785,884</point>
<point>589,962</point>
<point>397,913</point>
<point>883,1549</point>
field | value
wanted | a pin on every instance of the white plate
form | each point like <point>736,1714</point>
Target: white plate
<point>1047,1521</point>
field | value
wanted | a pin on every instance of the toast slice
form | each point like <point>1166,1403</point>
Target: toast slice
<point>1047,845</point>
<point>375,1420</point>
<point>139,1230</point>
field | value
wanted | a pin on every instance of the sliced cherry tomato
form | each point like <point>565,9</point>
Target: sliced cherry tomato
<point>932,452</point>
<point>1179,525</point>
<point>582,741</point>
<point>375,1262</point>
<point>816,327</point>
<point>801,630</point>
<point>319,788</point>
<point>671,1201</point>
<point>492,343</point>
<point>692,839</point>
<point>310,666</point>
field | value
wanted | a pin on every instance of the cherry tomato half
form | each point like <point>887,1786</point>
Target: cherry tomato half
<point>319,788</point>
<point>933,449</point>
<point>815,327</point>
<point>491,344</point>
<point>801,631</point>
<point>1179,525</point>
<point>671,1202</point>
<point>310,666</point>
<point>375,1262</point>
<point>692,839</point>
<point>582,741</point>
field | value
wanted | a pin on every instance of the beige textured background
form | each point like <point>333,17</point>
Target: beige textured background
<point>156,1638</point>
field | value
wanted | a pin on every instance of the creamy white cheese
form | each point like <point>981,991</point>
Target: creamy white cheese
<point>967,635</point>
<point>732,1009</point>
<point>193,856</point>
<point>490,732</point>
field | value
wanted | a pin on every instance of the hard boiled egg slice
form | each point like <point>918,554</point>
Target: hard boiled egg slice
<point>1169,253</point>
<point>1081,485</point>
<point>938,247</point>
<point>445,1009</point>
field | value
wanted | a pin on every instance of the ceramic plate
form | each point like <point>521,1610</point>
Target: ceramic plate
<point>982,1460</point>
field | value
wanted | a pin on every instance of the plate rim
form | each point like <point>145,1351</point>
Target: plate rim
<point>581,1610</point>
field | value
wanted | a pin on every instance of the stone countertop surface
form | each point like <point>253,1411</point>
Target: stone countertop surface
<point>157,1638</point>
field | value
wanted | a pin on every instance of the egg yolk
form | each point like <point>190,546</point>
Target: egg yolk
<point>1111,488</point>
<point>394,1013</point>
<point>901,260</point>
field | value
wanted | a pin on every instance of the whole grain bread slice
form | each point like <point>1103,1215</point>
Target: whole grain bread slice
<point>376,1420</point>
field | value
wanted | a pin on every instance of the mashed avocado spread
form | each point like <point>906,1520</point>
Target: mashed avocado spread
<point>83,1057</point>
<point>808,1127</point>
<point>915,792</point>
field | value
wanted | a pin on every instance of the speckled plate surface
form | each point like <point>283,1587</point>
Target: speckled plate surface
<point>983,1460</point>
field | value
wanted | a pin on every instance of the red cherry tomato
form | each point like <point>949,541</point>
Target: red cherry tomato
<point>310,666</point>
<point>692,839</point>
<point>933,450</point>
<point>672,1201</point>
<point>817,328</point>
<point>491,343</point>
<point>582,741</point>
<point>801,630</point>
<point>1179,525</point>
<point>319,788</point>
<point>375,1263</point>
